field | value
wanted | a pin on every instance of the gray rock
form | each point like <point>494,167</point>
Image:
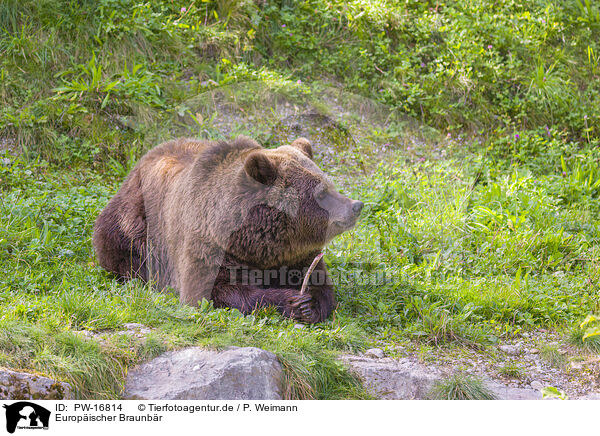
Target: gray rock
<point>512,350</point>
<point>576,365</point>
<point>134,326</point>
<point>591,396</point>
<point>512,393</point>
<point>200,374</point>
<point>375,352</point>
<point>131,329</point>
<point>405,379</point>
<point>86,333</point>
<point>390,379</point>
<point>136,330</point>
<point>16,385</point>
<point>537,385</point>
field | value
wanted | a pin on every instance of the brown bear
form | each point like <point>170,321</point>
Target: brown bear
<point>232,222</point>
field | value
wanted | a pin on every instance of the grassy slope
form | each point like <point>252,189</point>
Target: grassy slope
<point>499,235</point>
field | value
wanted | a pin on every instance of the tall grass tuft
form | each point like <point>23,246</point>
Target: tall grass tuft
<point>461,387</point>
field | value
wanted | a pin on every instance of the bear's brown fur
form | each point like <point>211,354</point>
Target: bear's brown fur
<point>193,212</point>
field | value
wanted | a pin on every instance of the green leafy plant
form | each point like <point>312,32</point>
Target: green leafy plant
<point>551,392</point>
<point>591,342</point>
<point>91,83</point>
<point>591,326</point>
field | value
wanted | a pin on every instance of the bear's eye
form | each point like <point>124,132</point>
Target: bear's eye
<point>321,195</point>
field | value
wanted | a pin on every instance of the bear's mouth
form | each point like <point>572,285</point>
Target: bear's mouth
<point>342,226</point>
<point>349,220</point>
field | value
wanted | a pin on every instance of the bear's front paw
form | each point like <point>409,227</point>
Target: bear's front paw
<point>302,308</point>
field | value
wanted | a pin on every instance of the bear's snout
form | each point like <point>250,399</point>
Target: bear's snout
<point>347,215</point>
<point>357,207</point>
<point>352,214</point>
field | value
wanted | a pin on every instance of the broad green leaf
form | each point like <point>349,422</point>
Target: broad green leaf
<point>552,392</point>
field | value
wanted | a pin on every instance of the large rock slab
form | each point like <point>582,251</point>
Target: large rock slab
<point>393,379</point>
<point>200,374</point>
<point>406,379</point>
<point>503,392</point>
<point>15,385</point>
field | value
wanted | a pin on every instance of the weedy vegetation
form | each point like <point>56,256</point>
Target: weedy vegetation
<point>461,387</point>
<point>553,357</point>
<point>512,370</point>
<point>482,185</point>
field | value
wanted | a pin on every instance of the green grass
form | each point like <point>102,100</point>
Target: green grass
<point>512,370</point>
<point>553,357</point>
<point>591,344</point>
<point>478,164</point>
<point>461,387</point>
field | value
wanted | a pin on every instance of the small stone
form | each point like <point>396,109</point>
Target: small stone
<point>134,329</point>
<point>133,326</point>
<point>375,352</point>
<point>509,349</point>
<point>86,333</point>
<point>538,386</point>
<point>299,326</point>
<point>533,351</point>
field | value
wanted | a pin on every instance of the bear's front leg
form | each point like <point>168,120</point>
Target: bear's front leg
<point>322,298</point>
<point>247,298</point>
<point>315,305</point>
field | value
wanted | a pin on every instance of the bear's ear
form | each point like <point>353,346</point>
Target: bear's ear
<point>304,146</point>
<point>261,168</point>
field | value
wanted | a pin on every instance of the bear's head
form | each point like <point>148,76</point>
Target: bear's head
<point>295,209</point>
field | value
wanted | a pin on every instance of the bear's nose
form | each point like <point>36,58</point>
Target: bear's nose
<point>357,206</point>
